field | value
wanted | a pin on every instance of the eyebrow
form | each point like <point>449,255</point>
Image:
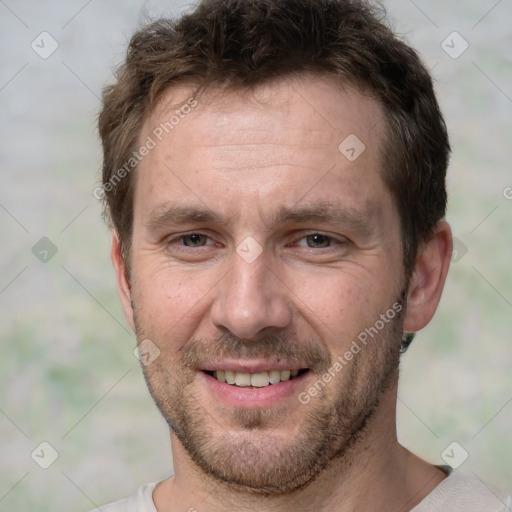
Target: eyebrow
<point>362,220</point>
<point>168,214</point>
<point>325,212</point>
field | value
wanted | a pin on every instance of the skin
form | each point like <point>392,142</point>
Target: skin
<point>244,157</point>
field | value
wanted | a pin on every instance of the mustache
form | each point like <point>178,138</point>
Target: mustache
<point>311,354</point>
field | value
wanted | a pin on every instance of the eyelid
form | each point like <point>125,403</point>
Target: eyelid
<point>301,235</point>
<point>339,239</point>
<point>177,237</point>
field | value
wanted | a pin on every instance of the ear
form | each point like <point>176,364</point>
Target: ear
<point>428,278</point>
<point>123,285</point>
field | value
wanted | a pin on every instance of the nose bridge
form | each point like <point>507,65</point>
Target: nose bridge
<point>249,299</point>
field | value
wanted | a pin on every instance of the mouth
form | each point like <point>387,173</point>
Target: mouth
<point>255,380</point>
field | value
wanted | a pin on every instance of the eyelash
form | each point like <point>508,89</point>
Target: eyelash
<point>176,242</point>
<point>331,240</point>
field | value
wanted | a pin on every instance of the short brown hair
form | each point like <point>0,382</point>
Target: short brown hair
<point>244,43</point>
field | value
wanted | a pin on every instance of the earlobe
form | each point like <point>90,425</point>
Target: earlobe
<point>123,285</point>
<point>428,278</point>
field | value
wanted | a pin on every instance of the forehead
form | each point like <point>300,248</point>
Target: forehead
<point>311,107</point>
<point>300,136</point>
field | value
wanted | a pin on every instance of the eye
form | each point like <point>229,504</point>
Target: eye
<point>192,247</point>
<point>317,241</point>
<point>194,240</point>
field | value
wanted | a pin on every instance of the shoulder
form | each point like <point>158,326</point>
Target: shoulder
<point>457,493</point>
<point>141,501</point>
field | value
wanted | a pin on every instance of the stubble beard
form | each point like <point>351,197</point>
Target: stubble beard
<point>255,456</point>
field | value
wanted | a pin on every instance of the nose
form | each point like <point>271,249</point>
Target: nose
<point>250,299</point>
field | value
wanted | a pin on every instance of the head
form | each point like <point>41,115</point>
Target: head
<point>274,173</point>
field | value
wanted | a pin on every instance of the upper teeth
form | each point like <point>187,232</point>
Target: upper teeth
<point>257,380</point>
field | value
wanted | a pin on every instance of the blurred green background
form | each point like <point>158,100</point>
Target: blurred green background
<point>68,375</point>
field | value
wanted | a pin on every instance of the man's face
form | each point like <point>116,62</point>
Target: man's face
<point>258,249</point>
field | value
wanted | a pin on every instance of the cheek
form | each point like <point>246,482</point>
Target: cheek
<point>170,304</point>
<point>339,307</point>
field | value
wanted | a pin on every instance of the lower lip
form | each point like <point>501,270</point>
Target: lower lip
<point>253,398</point>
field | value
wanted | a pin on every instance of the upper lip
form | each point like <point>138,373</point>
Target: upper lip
<point>251,366</point>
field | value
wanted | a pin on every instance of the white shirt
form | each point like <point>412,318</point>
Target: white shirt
<point>455,493</point>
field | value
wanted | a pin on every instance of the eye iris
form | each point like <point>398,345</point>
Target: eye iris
<point>318,241</point>
<point>194,240</point>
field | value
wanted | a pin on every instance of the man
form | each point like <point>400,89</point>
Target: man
<point>274,174</point>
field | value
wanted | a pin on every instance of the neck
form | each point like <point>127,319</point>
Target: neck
<point>376,473</point>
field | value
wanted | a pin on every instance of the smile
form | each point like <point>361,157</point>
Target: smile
<point>255,380</point>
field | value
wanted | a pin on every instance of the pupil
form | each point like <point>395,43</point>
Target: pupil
<point>318,240</point>
<point>194,239</point>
